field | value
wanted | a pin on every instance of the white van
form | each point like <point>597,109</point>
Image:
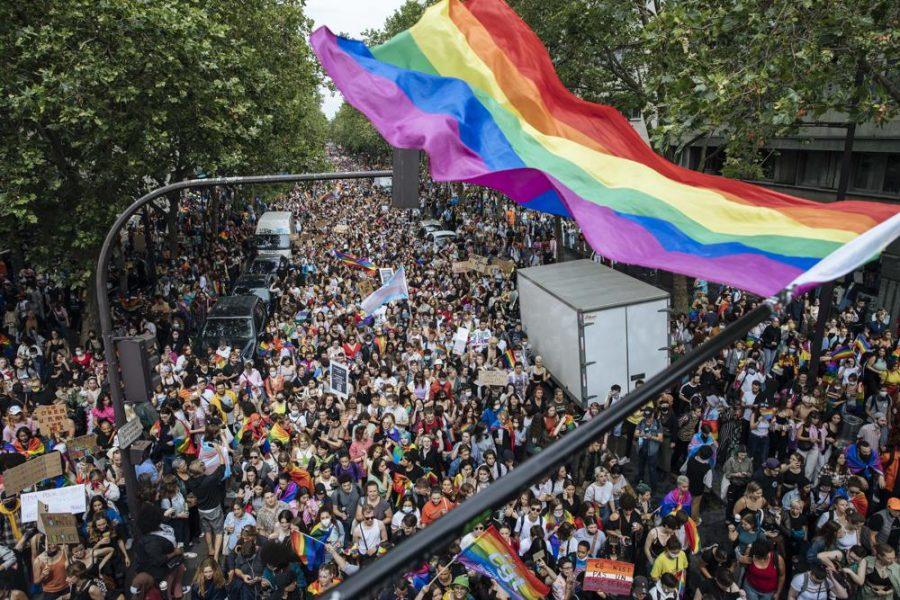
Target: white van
<point>273,234</point>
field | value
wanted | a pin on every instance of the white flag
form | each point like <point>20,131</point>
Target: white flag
<point>394,289</point>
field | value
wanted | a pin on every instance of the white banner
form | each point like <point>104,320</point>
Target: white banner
<point>70,499</point>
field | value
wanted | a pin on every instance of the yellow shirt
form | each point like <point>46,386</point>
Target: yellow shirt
<point>665,564</point>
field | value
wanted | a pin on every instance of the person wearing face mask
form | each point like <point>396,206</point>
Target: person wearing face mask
<point>329,530</point>
<point>407,509</point>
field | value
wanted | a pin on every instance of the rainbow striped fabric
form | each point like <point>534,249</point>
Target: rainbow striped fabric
<point>473,86</point>
<point>354,261</point>
<point>308,549</point>
<point>279,434</point>
<point>490,555</point>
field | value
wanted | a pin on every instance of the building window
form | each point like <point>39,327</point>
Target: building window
<point>866,172</point>
<point>819,169</point>
<point>892,174</point>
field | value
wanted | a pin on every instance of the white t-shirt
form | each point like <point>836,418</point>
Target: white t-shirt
<point>810,590</point>
<point>601,494</point>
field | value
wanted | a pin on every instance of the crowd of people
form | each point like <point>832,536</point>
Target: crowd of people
<point>752,479</point>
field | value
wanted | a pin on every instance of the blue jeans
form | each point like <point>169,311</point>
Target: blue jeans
<point>752,594</point>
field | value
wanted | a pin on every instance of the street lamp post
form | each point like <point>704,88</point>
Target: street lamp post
<point>102,279</point>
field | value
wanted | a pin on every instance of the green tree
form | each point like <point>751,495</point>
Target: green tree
<point>354,133</point>
<point>104,100</point>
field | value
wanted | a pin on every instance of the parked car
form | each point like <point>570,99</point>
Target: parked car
<point>236,320</point>
<point>427,226</point>
<point>441,237</point>
<point>257,285</point>
<point>266,265</point>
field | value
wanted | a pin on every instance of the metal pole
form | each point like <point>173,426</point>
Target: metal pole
<point>826,291</point>
<point>102,279</point>
<point>439,535</point>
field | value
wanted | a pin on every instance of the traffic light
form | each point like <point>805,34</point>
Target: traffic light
<point>138,360</point>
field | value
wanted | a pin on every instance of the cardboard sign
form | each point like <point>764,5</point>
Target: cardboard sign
<point>341,228</point>
<point>385,273</point>
<point>339,379</point>
<point>608,576</point>
<point>59,528</point>
<point>460,338</point>
<point>129,433</point>
<point>54,419</point>
<point>365,288</point>
<point>31,472</point>
<point>507,266</point>
<point>493,377</point>
<point>82,445</point>
<point>462,266</point>
<point>70,499</point>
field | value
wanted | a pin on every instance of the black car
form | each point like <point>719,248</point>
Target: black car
<point>258,285</point>
<point>236,320</point>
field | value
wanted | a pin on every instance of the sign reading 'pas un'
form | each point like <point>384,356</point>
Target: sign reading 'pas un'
<point>612,577</point>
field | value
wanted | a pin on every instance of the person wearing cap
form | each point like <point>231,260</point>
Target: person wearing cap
<point>884,525</point>
<point>640,587</point>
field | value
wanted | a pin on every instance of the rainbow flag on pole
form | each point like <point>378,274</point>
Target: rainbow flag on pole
<point>492,557</point>
<point>474,87</point>
<point>308,549</point>
<point>353,261</point>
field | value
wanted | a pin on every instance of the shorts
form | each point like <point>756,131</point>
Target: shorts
<point>212,520</point>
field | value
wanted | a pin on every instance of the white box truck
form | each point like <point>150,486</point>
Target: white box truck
<point>594,326</point>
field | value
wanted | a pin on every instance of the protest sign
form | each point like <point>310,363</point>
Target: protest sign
<point>70,499</point>
<point>54,419</point>
<point>460,338</point>
<point>59,528</point>
<point>365,288</point>
<point>129,433</point>
<point>83,444</point>
<point>385,273</point>
<point>612,577</point>
<point>339,379</point>
<point>493,377</point>
<point>341,228</point>
<point>507,266</point>
<point>462,266</point>
<point>31,472</point>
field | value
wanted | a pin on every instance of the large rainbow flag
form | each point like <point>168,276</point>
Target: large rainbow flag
<point>473,86</point>
<point>490,555</point>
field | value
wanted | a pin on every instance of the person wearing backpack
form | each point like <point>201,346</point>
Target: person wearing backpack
<point>816,584</point>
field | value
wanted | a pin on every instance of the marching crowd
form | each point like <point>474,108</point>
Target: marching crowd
<point>292,487</point>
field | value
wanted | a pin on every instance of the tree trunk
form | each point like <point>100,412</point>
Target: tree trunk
<point>172,224</point>
<point>680,297</point>
<point>215,207</point>
<point>90,318</point>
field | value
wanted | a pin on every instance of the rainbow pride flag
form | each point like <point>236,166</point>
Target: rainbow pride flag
<point>862,345</point>
<point>277,433</point>
<point>841,353</point>
<point>353,261</point>
<point>309,550</point>
<point>474,87</point>
<point>492,557</point>
<point>508,358</point>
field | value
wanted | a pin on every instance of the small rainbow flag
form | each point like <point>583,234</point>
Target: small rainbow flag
<point>279,434</point>
<point>841,352</point>
<point>308,549</point>
<point>492,557</point>
<point>353,261</point>
<point>185,446</point>
<point>862,345</point>
<point>691,536</point>
<point>509,358</point>
<point>301,477</point>
<point>381,343</point>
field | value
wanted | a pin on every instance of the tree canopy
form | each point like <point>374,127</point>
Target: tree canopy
<point>104,100</point>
